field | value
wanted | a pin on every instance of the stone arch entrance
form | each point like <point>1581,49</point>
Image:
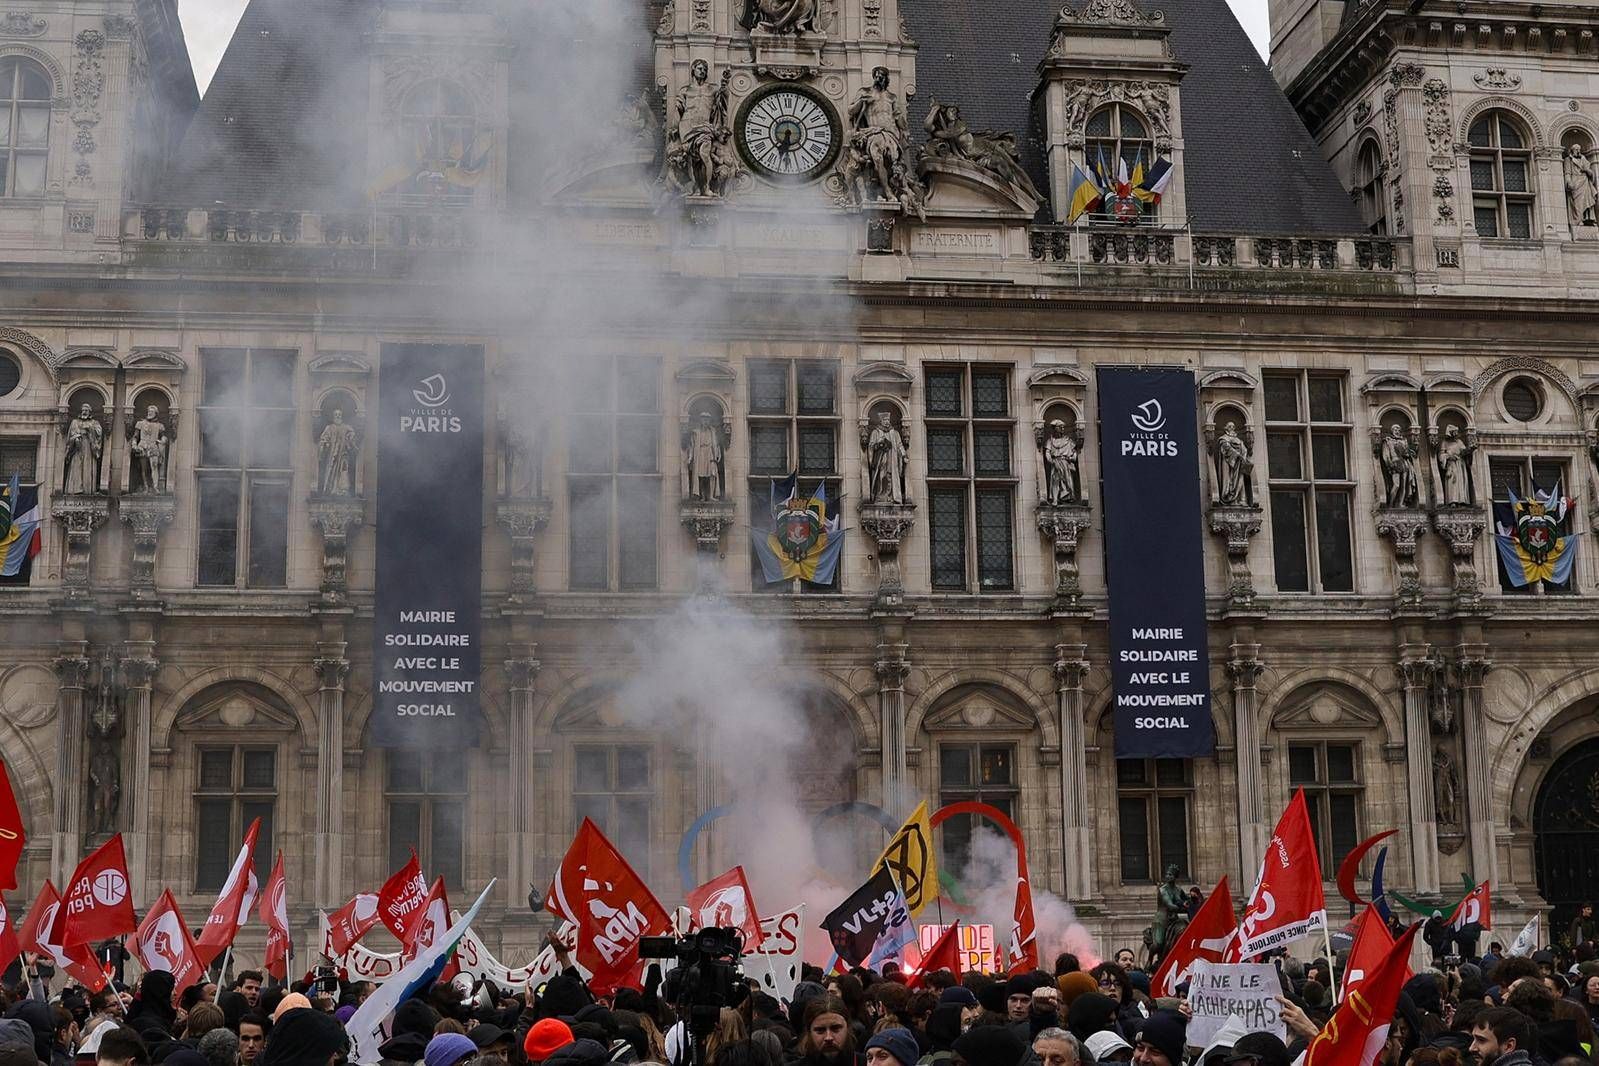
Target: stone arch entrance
<point>1566,833</point>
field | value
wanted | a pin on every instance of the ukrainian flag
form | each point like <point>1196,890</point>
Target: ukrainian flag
<point>1085,195</point>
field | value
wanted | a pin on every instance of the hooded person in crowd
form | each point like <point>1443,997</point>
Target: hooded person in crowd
<point>1091,1013</point>
<point>153,1005</point>
<point>304,1037</point>
<point>1160,1041</point>
<point>991,1045</point>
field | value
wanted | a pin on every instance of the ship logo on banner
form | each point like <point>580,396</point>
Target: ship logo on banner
<point>1533,538</point>
<point>804,541</point>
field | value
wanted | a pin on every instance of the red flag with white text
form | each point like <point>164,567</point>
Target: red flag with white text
<point>401,897</point>
<point>611,905</point>
<point>1207,938</point>
<point>1022,954</point>
<point>1287,903</point>
<point>1370,945</point>
<point>274,913</point>
<point>162,942</point>
<point>1357,1031</point>
<point>34,935</point>
<point>728,902</point>
<point>1476,907</point>
<point>945,954</point>
<point>12,835</point>
<point>428,926</point>
<point>234,902</point>
<point>97,903</point>
<point>10,946</point>
<point>352,921</point>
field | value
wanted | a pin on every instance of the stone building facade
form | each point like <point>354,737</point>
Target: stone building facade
<point>1398,244</point>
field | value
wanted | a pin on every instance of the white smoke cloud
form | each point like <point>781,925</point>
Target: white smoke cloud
<point>989,878</point>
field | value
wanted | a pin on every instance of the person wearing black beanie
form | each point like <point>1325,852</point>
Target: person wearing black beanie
<point>1162,1040</point>
<point>1090,1013</point>
<point>304,1038</point>
<point>991,1045</point>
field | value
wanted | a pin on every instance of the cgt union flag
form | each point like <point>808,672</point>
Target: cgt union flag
<point>1287,904</point>
<point>726,901</point>
<point>611,906</point>
<point>1206,938</point>
<point>1357,1031</point>
<point>163,943</point>
<point>97,904</point>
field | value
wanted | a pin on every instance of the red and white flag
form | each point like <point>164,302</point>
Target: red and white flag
<point>274,913</point>
<point>1476,907</point>
<point>352,921</point>
<point>12,836</point>
<point>97,904</point>
<point>727,901</point>
<point>401,897</point>
<point>10,946</point>
<point>1287,904</point>
<point>613,908</point>
<point>163,943</point>
<point>234,902</point>
<point>1357,1031</point>
<point>1207,938</point>
<point>945,954</point>
<point>34,936</point>
<point>1372,943</point>
<point>1021,955</point>
<point>428,928</point>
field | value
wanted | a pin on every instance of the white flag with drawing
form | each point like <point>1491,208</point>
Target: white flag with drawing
<point>1526,941</point>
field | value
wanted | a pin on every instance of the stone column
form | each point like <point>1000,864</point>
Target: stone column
<point>138,677</point>
<point>523,670</point>
<point>66,838</point>
<point>892,670</point>
<point>1415,673</point>
<point>1077,818</point>
<point>331,670</point>
<point>1245,667</point>
<point>1472,665</point>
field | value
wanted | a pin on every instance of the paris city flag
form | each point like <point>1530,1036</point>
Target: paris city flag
<point>1206,939</point>
<point>234,902</point>
<point>1357,1031</point>
<point>274,914</point>
<point>162,942</point>
<point>97,904</point>
<point>1287,904</point>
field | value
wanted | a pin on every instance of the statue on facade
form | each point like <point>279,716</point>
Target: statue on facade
<point>521,460</point>
<point>780,16</point>
<point>1171,916</point>
<point>336,451</point>
<point>1060,464</point>
<point>1233,467</point>
<point>1582,186</point>
<point>886,456</point>
<point>703,471</point>
<point>877,156</point>
<point>85,444</point>
<point>995,152</point>
<point>105,759</point>
<point>1454,467</point>
<point>148,447</point>
<point>699,151</point>
<point>1446,788</point>
<point>1398,458</point>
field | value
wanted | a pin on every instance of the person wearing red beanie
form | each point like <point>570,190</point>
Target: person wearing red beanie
<point>547,1036</point>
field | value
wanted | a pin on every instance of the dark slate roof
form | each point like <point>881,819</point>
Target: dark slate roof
<point>1249,164</point>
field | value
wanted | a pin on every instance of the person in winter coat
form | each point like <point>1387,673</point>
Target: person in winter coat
<point>1503,1036</point>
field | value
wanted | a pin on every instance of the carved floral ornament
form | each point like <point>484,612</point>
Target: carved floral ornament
<point>1152,99</point>
<point>22,24</point>
<point>1497,78</point>
<point>1117,12</point>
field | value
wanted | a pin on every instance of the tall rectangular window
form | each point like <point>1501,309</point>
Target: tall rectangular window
<point>1311,487</point>
<point>19,456</point>
<point>1329,772</point>
<point>971,483</point>
<point>613,479</point>
<point>237,785</point>
<point>244,473</point>
<point>426,793</point>
<point>793,427</point>
<point>984,773</point>
<point>611,785</point>
<point>1153,797</point>
<point>1524,475</point>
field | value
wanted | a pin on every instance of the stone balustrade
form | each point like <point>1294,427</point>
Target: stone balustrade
<point>1092,246</point>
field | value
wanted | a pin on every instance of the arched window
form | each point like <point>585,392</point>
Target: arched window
<point>1115,132</point>
<point>1501,185</point>
<point>1369,191</point>
<point>439,126</point>
<point>24,126</point>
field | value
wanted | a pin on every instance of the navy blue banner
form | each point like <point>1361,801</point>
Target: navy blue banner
<point>1155,562</point>
<point>427,609</point>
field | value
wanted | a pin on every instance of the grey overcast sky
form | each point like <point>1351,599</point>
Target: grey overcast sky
<point>208,24</point>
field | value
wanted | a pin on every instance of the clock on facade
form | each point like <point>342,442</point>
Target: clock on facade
<point>788,133</point>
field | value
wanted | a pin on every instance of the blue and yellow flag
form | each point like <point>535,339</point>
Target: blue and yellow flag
<point>1534,544</point>
<point>1085,196</point>
<point>20,518</point>
<point>803,541</point>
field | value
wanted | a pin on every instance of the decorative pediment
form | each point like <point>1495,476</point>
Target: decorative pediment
<point>1389,382</point>
<point>880,377</point>
<point>593,710</point>
<point>88,359</point>
<point>154,359</point>
<point>1448,382</point>
<point>232,707</point>
<point>1058,375</point>
<point>1228,379</point>
<point>978,712</point>
<point>706,374</point>
<point>354,363</point>
<point>1328,708</point>
<point>962,189</point>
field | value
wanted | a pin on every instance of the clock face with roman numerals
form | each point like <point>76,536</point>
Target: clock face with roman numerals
<point>788,133</point>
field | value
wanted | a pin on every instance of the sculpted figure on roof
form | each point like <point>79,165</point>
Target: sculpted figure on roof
<point>780,16</point>
<point>700,160</point>
<point>995,152</point>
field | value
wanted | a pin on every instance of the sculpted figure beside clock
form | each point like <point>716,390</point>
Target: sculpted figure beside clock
<point>699,158</point>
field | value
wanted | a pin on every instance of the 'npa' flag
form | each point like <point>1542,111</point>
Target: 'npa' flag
<point>611,905</point>
<point>1476,907</point>
<point>20,518</point>
<point>1357,1031</point>
<point>1287,904</point>
<point>275,914</point>
<point>401,897</point>
<point>352,921</point>
<point>874,915</point>
<point>35,936</point>
<point>1372,943</point>
<point>913,861</point>
<point>162,942</point>
<point>234,902</point>
<point>1206,939</point>
<point>726,902</point>
<point>97,904</point>
<point>12,836</point>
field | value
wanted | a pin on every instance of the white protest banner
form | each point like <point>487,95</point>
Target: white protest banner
<point>976,945</point>
<point>1247,990</point>
<point>361,963</point>
<point>776,963</point>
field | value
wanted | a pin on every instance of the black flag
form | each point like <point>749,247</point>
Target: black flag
<point>873,911</point>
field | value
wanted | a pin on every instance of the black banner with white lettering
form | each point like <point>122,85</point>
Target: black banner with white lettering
<point>1155,562</point>
<point>427,610</point>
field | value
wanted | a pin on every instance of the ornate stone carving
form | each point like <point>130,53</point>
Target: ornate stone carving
<point>704,467</point>
<point>1581,176</point>
<point>1447,801</point>
<point>1497,78</point>
<point>145,517</point>
<point>1462,527</point>
<point>1453,451</point>
<point>700,159</point>
<point>884,448</point>
<point>788,16</point>
<point>83,443</point>
<point>1403,74</point>
<point>22,24</point>
<point>119,27</point>
<point>404,71</point>
<point>668,21</point>
<point>338,454</point>
<point>149,444</point>
<point>701,16</point>
<point>1403,526</point>
<point>989,150</point>
<point>105,721</point>
<point>81,515</point>
<point>706,520</point>
<point>1115,12</point>
<point>1238,525</point>
<point>331,671</point>
<point>878,164</point>
<point>887,523</point>
<point>1234,457</point>
<point>335,517</point>
<point>1063,524</point>
<point>88,82</point>
<point>1396,452</point>
<point>1437,123</point>
<point>1362,112</point>
<point>872,19</point>
<point>880,233</point>
<point>1059,479</point>
<point>522,519</point>
<point>1084,96</point>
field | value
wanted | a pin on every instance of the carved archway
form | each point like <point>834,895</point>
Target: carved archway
<point>1566,832</point>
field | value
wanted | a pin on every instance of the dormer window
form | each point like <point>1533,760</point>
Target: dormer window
<point>1117,133</point>
<point>24,126</point>
<point>1369,191</point>
<point>1501,190</point>
<point>443,142</point>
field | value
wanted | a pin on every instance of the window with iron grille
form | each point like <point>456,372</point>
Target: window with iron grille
<point>1523,475</point>
<point>1153,798</point>
<point>237,785</point>
<point>19,456</point>
<point>1329,772</point>
<point>793,427</point>
<point>984,773</point>
<point>971,485</point>
<point>426,794</point>
<point>611,785</point>
<point>613,475</point>
<point>1312,491</point>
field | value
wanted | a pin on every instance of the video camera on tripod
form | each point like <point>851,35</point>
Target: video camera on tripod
<point>707,979</point>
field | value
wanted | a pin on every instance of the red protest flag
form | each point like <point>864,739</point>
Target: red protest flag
<point>352,921</point>
<point>1357,1031</point>
<point>1371,944</point>
<point>428,926</point>
<point>1206,938</point>
<point>10,946</point>
<point>401,896</point>
<point>1022,955</point>
<point>728,902</point>
<point>945,954</point>
<point>234,902</point>
<point>274,914</point>
<point>97,903</point>
<point>1475,907</point>
<point>12,836</point>
<point>613,908</point>
<point>1287,903</point>
<point>35,936</point>
<point>162,942</point>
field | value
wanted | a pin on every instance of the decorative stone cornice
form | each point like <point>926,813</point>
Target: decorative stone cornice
<point>706,521</point>
<point>1239,525</point>
<point>1112,12</point>
<point>1063,524</point>
<point>1461,526</point>
<point>81,515</point>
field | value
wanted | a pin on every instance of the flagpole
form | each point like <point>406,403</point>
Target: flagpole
<point>222,974</point>
<point>1332,961</point>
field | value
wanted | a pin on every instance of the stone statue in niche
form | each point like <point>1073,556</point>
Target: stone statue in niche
<point>703,471</point>
<point>1582,186</point>
<point>877,156</point>
<point>1060,465</point>
<point>337,450</point>
<point>700,160</point>
<point>886,456</point>
<point>521,460</point>
<point>780,16</point>
<point>1454,467</point>
<point>105,761</point>
<point>85,444</point>
<point>1398,458</point>
<point>148,444</point>
<point>1446,788</point>
<point>995,152</point>
<point>1234,468</point>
